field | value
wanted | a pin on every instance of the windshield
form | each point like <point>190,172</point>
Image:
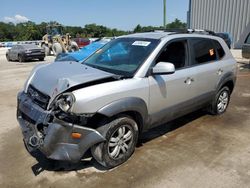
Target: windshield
<point>82,54</point>
<point>122,56</point>
<point>29,46</point>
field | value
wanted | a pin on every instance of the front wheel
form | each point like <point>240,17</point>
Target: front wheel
<point>21,58</point>
<point>121,137</point>
<point>221,101</point>
<point>7,57</point>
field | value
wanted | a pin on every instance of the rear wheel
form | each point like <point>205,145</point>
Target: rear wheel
<point>221,101</point>
<point>121,137</point>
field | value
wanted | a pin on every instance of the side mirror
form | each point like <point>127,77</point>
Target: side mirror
<point>163,68</point>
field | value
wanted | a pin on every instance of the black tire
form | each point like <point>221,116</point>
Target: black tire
<point>222,97</point>
<point>20,58</point>
<point>106,153</point>
<point>7,57</point>
<point>41,59</point>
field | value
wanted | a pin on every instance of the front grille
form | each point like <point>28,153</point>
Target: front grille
<point>38,97</point>
<point>35,50</point>
<point>27,118</point>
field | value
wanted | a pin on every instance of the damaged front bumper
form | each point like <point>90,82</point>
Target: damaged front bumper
<point>53,137</point>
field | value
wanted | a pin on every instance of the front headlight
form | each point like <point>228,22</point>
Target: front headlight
<point>28,51</point>
<point>65,101</point>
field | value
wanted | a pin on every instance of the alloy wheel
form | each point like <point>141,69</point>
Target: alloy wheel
<point>222,101</point>
<point>120,142</point>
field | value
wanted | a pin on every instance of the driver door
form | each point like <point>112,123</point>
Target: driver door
<point>12,52</point>
<point>171,95</point>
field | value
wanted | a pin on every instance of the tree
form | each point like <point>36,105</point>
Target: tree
<point>32,31</point>
<point>176,24</point>
<point>138,29</point>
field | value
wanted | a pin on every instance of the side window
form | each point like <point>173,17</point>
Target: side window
<point>219,49</point>
<point>18,47</point>
<point>248,39</point>
<point>175,53</point>
<point>203,51</point>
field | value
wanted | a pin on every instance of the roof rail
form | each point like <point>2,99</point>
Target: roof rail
<point>201,31</point>
<point>172,30</point>
<point>177,31</point>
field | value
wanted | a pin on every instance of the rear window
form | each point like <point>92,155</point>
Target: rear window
<point>29,46</point>
<point>219,49</point>
<point>203,50</point>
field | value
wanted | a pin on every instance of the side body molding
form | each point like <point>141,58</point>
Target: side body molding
<point>126,104</point>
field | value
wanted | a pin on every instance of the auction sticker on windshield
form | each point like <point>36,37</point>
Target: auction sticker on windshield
<point>141,43</point>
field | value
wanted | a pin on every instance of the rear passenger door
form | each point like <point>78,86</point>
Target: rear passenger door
<point>204,61</point>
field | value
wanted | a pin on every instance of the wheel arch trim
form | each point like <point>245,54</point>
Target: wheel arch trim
<point>228,77</point>
<point>124,105</point>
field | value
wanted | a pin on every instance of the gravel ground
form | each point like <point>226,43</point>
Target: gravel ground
<point>197,150</point>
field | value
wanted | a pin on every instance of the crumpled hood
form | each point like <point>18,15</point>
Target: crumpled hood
<point>57,77</point>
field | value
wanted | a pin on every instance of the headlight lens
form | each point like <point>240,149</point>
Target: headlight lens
<point>65,101</point>
<point>28,51</point>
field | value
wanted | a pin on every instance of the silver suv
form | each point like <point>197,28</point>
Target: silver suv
<point>130,85</point>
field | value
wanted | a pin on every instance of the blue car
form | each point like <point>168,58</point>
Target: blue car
<point>83,53</point>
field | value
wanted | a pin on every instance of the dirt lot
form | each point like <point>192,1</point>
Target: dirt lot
<point>197,150</point>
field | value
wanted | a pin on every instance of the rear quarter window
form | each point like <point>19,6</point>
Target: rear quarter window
<point>248,39</point>
<point>219,49</point>
<point>203,50</point>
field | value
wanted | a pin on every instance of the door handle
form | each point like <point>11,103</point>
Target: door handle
<point>189,81</point>
<point>220,71</point>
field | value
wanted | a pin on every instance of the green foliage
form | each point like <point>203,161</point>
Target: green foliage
<point>93,30</point>
<point>32,31</point>
<point>177,24</point>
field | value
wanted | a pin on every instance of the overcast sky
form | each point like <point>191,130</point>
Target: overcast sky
<point>121,14</point>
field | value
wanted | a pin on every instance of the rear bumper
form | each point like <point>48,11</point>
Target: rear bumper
<point>53,137</point>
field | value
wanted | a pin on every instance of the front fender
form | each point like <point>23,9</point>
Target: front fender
<point>126,104</point>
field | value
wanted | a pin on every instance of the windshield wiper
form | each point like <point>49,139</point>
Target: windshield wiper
<point>119,77</point>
